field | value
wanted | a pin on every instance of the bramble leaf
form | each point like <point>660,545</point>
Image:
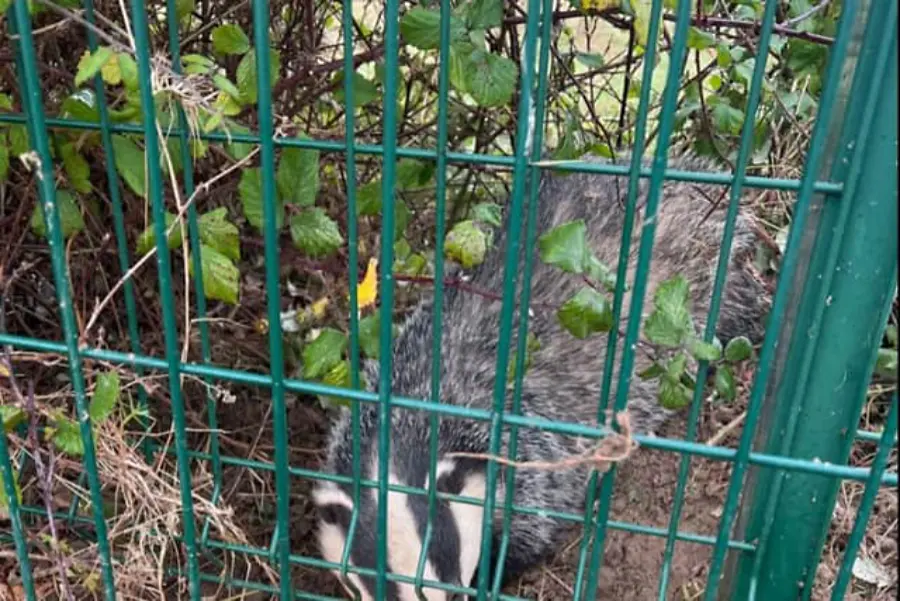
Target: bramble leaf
<point>738,349</point>
<point>221,279</point>
<point>586,313</point>
<point>315,233</point>
<point>490,78</point>
<point>66,436</point>
<point>488,213</point>
<point>421,28</point>
<point>297,176</point>
<point>724,383</point>
<point>106,396</point>
<point>704,351</point>
<point>219,233</point>
<point>70,218</point>
<point>466,244</point>
<point>230,39</point>
<point>565,246</point>
<point>670,322</point>
<point>91,63</point>
<point>129,160</point>
<point>323,353</point>
<point>250,192</point>
<point>147,240</point>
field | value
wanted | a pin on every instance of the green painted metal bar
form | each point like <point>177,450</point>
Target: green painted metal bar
<point>15,518</point>
<point>785,280</point>
<point>353,260</point>
<point>118,214</point>
<point>744,152</point>
<point>282,538</point>
<point>32,99</point>
<point>438,301</point>
<point>194,239</point>
<point>536,135</point>
<point>386,283</point>
<point>510,271</point>
<point>704,177</point>
<point>170,330</point>
<point>635,312</point>
<point>866,504</point>
<point>568,428</point>
<point>840,266</point>
<point>591,525</point>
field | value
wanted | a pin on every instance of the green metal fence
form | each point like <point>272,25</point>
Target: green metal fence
<point>836,284</point>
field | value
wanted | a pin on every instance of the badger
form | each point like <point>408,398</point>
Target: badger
<point>562,382</point>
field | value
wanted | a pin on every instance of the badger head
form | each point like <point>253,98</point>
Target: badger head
<point>454,549</point>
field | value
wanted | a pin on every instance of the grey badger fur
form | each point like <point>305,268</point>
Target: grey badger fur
<point>562,383</point>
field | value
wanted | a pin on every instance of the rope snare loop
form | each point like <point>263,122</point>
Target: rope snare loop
<point>613,448</point>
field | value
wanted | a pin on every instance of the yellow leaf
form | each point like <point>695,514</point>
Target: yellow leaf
<point>318,307</point>
<point>111,72</point>
<point>641,10</point>
<point>367,290</point>
<point>4,371</point>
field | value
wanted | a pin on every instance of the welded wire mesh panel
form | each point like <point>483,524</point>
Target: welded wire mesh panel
<point>127,475</point>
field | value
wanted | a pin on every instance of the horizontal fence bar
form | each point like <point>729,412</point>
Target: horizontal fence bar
<point>702,177</point>
<point>298,386</point>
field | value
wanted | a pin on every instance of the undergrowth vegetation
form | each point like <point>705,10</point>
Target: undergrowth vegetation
<point>205,101</point>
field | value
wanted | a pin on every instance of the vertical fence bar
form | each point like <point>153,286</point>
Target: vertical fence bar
<point>353,264</point>
<point>118,214</point>
<point>779,305</point>
<point>438,306</point>
<point>163,265</point>
<point>590,524</point>
<point>839,328</point>
<point>389,165</point>
<point>273,292</point>
<point>867,502</point>
<point>15,518</point>
<point>744,151</point>
<point>194,240</point>
<point>32,103</point>
<point>660,160</point>
<point>513,235</point>
<point>534,176</point>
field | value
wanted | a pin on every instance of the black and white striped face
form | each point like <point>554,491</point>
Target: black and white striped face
<point>455,545</point>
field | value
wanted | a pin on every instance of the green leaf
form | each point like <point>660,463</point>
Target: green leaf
<point>338,376</point>
<point>147,240</point>
<point>89,66</point>
<point>183,8</point>
<point>297,176</point>
<point>727,118</point>
<point>413,174</point>
<point>224,84</point>
<point>250,192</point>
<point>670,322</point>
<point>491,78</point>
<point>129,160</point>
<point>77,168</point>
<point>601,272</point>
<point>323,353</point>
<point>699,39</point>
<point>484,14</point>
<point>238,150</point>
<point>641,22</point>
<point>230,39</point>
<point>890,333</point>
<point>704,351</point>
<point>676,366</point>
<point>195,64</point>
<point>19,142</point>
<point>364,90</point>
<point>725,385</point>
<point>488,213</point>
<point>12,417</point>
<point>66,436</point>
<point>586,313</point>
<point>673,394</point>
<point>219,233</point>
<point>459,63</point>
<point>421,28</point>
<point>106,396</point>
<point>369,327</point>
<point>221,279</point>
<point>653,371</point>
<point>246,74</point>
<point>565,246</point>
<point>128,70</point>
<point>70,217</point>
<point>590,60</point>
<point>82,105</point>
<point>886,363</point>
<point>738,349</point>
<point>315,233</point>
<point>466,244</point>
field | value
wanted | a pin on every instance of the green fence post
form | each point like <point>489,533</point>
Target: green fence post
<point>841,311</point>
